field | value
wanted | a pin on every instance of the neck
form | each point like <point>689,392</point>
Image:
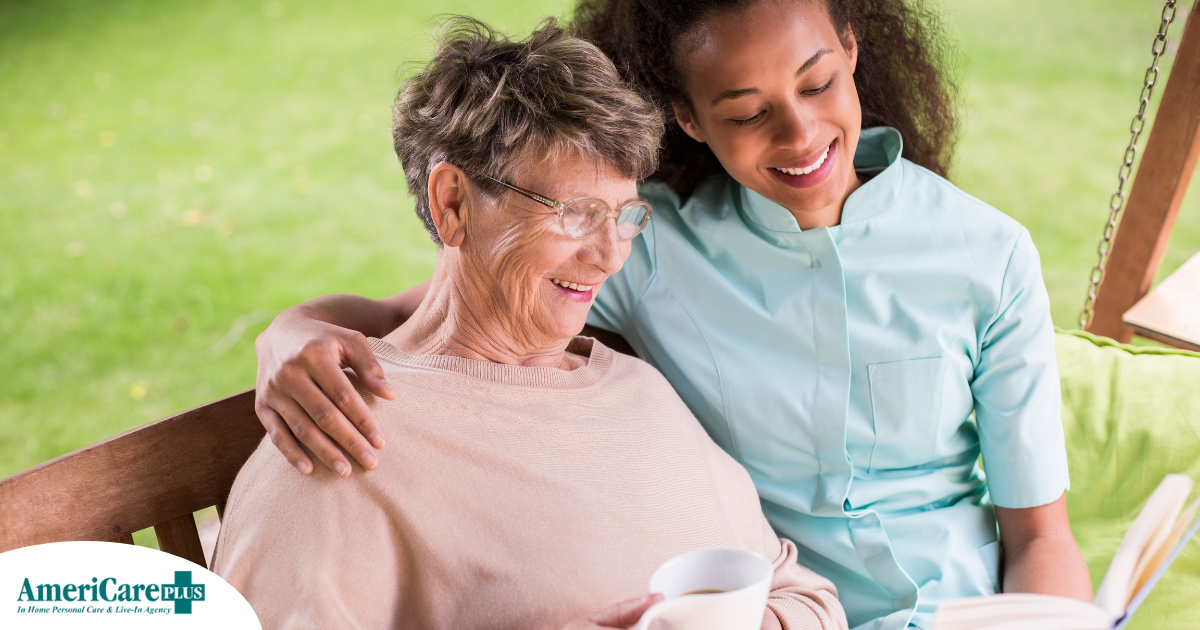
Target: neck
<point>830,215</point>
<point>469,319</point>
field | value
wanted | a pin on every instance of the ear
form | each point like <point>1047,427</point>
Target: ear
<point>687,121</point>
<point>850,44</point>
<point>448,194</point>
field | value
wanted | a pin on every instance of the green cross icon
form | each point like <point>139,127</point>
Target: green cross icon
<point>183,604</point>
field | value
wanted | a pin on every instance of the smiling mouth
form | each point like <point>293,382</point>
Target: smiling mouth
<point>582,288</point>
<point>807,169</point>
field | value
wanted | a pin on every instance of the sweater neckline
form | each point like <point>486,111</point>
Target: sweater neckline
<point>598,357</point>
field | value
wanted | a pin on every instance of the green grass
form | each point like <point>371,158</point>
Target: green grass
<point>172,173</point>
<point>1050,90</point>
<point>170,169</point>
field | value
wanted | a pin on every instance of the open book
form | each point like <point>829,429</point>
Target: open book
<point>1156,537</point>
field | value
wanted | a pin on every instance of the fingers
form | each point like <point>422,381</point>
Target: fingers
<point>349,417</point>
<point>625,614</point>
<point>359,357</point>
<point>329,419</point>
<point>306,430</point>
<point>281,436</point>
<point>306,400</point>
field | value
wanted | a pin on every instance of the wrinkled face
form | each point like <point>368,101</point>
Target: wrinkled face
<point>772,93</point>
<point>522,263</point>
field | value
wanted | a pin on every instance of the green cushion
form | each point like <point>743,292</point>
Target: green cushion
<point>1131,415</point>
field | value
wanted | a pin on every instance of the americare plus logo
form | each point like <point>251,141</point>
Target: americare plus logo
<point>112,586</point>
<point>182,593</point>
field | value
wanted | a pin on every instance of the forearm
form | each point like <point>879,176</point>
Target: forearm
<point>373,318</point>
<point>1050,565</point>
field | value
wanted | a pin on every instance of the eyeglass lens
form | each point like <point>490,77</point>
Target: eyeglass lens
<point>582,217</point>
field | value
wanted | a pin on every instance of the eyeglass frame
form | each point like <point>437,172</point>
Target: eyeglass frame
<point>561,207</point>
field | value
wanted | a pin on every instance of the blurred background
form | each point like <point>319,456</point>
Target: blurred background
<point>173,174</point>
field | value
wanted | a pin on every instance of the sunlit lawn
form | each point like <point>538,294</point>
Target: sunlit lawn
<point>172,174</point>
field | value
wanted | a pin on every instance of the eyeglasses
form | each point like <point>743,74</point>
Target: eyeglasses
<point>581,217</point>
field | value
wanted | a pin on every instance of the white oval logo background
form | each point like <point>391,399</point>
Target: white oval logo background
<point>165,587</point>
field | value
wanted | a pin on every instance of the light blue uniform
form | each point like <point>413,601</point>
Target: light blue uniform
<point>841,367</point>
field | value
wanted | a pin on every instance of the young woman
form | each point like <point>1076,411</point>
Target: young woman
<point>846,323</point>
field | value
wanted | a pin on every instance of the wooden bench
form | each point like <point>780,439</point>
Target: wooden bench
<point>156,475</point>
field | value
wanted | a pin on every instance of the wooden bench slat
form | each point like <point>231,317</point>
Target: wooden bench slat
<point>127,539</point>
<point>179,537</point>
<point>1168,314</point>
<point>161,471</point>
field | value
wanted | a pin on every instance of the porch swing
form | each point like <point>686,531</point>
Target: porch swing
<point>1119,302</point>
<point>158,475</point>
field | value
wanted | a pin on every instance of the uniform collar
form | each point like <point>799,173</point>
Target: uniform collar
<point>877,157</point>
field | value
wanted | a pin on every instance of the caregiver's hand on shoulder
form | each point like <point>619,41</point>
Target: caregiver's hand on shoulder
<point>301,392</point>
<point>623,614</point>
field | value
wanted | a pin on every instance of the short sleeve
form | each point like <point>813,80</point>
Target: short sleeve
<point>618,298</point>
<point>1016,391</point>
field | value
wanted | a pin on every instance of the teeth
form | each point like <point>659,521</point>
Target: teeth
<point>571,285</point>
<point>808,169</point>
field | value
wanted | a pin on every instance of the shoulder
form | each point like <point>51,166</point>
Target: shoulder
<point>267,482</point>
<point>272,505</point>
<point>711,201</point>
<point>281,522</point>
<point>676,225</point>
<point>979,221</point>
<point>992,238</point>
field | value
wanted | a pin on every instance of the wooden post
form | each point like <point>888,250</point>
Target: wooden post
<point>1158,189</point>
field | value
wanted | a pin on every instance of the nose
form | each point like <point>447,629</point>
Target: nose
<point>604,248</point>
<point>794,128</point>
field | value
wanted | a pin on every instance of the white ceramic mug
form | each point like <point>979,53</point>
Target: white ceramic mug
<point>742,577</point>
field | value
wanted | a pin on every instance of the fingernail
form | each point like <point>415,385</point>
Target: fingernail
<point>304,467</point>
<point>376,440</point>
<point>369,460</point>
<point>342,468</point>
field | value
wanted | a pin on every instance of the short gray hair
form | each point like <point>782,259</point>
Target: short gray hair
<point>487,104</point>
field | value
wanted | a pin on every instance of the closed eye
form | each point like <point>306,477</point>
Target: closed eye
<point>816,91</point>
<point>748,121</point>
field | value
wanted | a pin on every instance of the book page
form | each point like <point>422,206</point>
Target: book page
<point>1149,565</point>
<point>1020,611</point>
<point>1166,563</point>
<point>1152,525</point>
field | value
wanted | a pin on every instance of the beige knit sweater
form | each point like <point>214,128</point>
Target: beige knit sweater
<point>507,497</point>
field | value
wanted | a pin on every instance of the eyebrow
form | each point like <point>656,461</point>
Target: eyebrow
<point>732,94</point>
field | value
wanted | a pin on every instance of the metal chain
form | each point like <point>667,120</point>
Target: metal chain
<point>1117,202</point>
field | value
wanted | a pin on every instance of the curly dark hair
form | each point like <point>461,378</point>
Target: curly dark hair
<point>903,74</point>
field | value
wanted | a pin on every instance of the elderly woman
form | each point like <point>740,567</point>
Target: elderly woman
<point>540,476</point>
